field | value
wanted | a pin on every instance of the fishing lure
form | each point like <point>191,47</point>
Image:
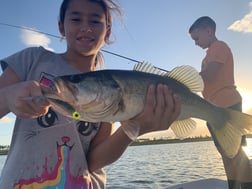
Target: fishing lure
<point>76,115</point>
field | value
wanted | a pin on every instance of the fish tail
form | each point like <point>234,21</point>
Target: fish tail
<point>229,127</point>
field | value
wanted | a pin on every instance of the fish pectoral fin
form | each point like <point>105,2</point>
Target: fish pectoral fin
<point>183,128</point>
<point>189,76</point>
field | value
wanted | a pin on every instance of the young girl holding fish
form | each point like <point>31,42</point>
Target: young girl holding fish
<point>49,150</point>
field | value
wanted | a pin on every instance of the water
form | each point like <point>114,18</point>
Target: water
<point>2,160</point>
<point>161,166</point>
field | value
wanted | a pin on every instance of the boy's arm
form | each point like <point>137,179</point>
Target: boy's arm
<point>208,71</point>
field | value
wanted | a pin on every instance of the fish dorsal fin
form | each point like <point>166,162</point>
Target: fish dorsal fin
<point>183,128</point>
<point>188,76</point>
<point>148,68</point>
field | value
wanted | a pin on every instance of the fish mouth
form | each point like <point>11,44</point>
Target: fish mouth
<point>61,106</point>
<point>64,96</point>
<point>63,91</point>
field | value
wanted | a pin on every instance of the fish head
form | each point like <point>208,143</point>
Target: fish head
<point>64,95</point>
<point>90,95</point>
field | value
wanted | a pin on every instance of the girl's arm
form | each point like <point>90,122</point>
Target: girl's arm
<point>13,94</point>
<point>106,148</point>
<point>7,78</point>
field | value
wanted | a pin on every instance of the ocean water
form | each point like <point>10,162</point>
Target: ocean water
<point>2,160</point>
<point>161,166</point>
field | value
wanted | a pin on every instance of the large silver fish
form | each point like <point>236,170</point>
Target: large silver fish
<point>117,95</point>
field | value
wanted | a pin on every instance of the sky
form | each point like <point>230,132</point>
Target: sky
<point>155,31</point>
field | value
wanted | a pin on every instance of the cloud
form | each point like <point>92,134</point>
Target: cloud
<point>243,25</point>
<point>5,120</point>
<point>32,38</point>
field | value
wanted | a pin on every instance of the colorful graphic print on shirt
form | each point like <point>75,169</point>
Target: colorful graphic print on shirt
<point>60,176</point>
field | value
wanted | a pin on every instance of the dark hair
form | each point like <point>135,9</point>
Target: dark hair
<point>108,6</point>
<point>202,23</point>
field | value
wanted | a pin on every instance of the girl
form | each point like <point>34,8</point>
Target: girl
<point>49,150</point>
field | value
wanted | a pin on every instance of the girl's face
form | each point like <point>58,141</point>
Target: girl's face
<point>84,27</point>
<point>202,37</point>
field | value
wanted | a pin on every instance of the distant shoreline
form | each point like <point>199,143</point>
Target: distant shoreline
<point>4,152</point>
<point>150,142</point>
<point>140,142</point>
<point>168,141</point>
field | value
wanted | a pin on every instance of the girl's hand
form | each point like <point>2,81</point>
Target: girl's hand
<point>20,101</point>
<point>159,112</point>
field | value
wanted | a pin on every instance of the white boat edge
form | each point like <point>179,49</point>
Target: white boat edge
<point>211,183</point>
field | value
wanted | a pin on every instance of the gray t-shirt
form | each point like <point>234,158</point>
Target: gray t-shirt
<point>50,151</point>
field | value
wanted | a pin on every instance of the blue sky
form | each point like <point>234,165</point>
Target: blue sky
<point>155,31</point>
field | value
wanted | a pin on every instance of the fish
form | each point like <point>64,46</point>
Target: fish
<point>112,95</point>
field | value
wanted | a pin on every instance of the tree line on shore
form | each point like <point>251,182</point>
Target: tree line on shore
<point>4,149</point>
<point>148,141</point>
